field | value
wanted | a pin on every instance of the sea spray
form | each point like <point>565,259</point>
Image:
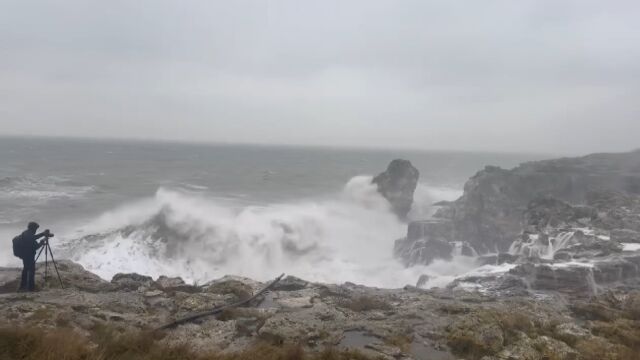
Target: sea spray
<point>345,237</point>
<point>348,237</point>
<point>424,197</point>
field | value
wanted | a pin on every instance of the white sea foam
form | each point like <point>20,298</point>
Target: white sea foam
<point>546,249</point>
<point>348,237</point>
<point>568,264</point>
<point>442,272</point>
<point>630,247</point>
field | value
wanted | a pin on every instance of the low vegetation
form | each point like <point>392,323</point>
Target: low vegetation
<point>610,330</point>
<point>110,344</point>
<point>401,341</point>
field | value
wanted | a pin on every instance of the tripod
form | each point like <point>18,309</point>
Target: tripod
<point>47,251</point>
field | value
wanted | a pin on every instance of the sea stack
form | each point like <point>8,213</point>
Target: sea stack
<point>397,184</point>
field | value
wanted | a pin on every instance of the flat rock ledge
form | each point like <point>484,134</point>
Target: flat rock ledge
<point>406,323</point>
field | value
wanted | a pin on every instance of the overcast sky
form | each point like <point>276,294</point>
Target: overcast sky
<point>544,76</point>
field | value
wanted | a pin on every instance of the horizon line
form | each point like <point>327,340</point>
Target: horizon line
<point>284,145</point>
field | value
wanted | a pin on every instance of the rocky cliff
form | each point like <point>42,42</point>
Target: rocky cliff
<point>489,216</point>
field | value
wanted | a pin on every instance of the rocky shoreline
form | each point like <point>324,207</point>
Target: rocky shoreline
<point>566,234</point>
<point>407,323</point>
<point>570,225</point>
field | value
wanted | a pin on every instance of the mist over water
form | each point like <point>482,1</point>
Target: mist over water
<point>201,212</point>
<point>345,237</point>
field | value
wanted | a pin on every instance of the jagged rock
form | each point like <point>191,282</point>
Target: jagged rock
<point>616,269</point>
<point>465,249</point>
<point>489,215</point>
<point>511,285</point>
<point>153,293</point>
<point>617,210</point>
<point>246,283</point>
<point>548,211</point>
<point>573,279</point>
<point>198,302</point>
<point>295,302</point>
<point>595,248</point>
<point>578,278</point>
<point>559,246</point>
<point>426,241</point>
<point>237,287</point>
<point>432,229</point>
<point>625,236</point>
<point>131,282</point>
<point>168,283</point>
<point>563,255</point>
<point>397,184</point>
<point>291,283</point>
<point>176,284</point>
<point>423,251</point>
<point>72,275</point>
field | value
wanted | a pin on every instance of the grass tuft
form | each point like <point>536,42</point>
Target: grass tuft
<point>109,343</point>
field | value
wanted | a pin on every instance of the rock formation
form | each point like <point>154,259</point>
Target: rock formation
<point>490,214</point>
<point>397,184</point>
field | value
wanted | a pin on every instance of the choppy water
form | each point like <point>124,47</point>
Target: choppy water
<point>203,211</point>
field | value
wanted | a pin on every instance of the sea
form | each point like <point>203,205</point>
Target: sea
<point>202,211</point>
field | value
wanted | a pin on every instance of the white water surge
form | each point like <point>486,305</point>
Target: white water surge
<point>546,249</point>
<point>347,237</point>
<point>630,247</point>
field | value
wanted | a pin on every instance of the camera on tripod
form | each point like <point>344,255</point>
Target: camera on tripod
<point>48,235</point>
<point>46,248</point>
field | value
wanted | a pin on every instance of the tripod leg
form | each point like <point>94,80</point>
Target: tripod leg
<point>39,253</point>
<point>46,264</point>
<point>55,266</point>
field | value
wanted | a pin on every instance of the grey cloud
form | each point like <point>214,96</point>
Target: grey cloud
<point>557,76</point>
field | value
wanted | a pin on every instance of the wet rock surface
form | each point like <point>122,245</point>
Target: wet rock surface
<point>569,226</point>
<point>397,184</point>
<point>381,323</point>
<point>599,190</point>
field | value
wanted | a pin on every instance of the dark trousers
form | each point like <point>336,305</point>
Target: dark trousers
<point>28,281</point>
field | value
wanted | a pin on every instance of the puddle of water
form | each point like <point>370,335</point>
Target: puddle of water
<point>421,351</point>
<point>357,339</point>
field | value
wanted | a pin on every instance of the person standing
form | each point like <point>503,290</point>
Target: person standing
<point>29,246</point>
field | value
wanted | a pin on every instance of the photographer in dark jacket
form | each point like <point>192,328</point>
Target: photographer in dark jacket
<point>30,245</point>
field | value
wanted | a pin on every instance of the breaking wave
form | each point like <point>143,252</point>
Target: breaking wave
<point>345,237</point>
